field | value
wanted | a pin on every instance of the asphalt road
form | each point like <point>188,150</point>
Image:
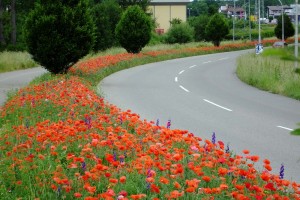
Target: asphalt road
<point>11,81</point>
<point>202,94</point>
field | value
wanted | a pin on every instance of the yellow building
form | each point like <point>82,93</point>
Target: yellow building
<point>163,11</point>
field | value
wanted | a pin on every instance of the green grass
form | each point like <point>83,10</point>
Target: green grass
<point>10,61</point>
<point>272,71</point>
<point>296,132</point>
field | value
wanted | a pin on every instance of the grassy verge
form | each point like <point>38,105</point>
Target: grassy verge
<point>59,140</point>
<point>272,71</point>
<point>10,61</point>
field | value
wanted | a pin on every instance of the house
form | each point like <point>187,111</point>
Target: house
<point>276,11</point>
<point>230,11</point>
<point>163,11</point>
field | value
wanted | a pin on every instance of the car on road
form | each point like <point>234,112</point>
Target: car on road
<point>279,44</point>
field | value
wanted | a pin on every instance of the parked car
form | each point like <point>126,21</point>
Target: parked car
<point>279,44</point>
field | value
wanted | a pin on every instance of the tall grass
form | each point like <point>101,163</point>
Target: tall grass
<point>272,71</point>
<point>158,47</point>
<point>10,61</point>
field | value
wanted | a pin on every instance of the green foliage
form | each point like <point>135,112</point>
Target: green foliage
<point>156,39</point>
<point>10,61</point>
<point>106,16</point>
<point>126,3</point>
<point>240,34</point>
<point>199,24</point>
<point>288,27</point>
<point>180,33</point>
<point>216,29</point>
<point>296,132</point>
<point>134,29</point>
<point>175,21</point>
<point>59,33</point>
<point>198,8</point>
<point>272,72</point>
<point>213,8</point>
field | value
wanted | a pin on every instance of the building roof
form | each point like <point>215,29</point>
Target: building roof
<point>237,9</point>
<point>182,2</point>
<point>278,7</point>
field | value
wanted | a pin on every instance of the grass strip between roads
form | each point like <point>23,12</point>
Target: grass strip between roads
<point>60,140</point>
<point>11,61</point>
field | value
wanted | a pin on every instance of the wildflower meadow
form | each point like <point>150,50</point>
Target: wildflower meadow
<point>60,140</point>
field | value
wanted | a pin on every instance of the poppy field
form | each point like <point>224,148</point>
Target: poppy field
<point>60,140</point>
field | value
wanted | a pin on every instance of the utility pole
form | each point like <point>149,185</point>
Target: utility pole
<point>249,15</point>
<point>233,20</point>
<point>282,23</point>
<point>296,35</point>
<point>259,37</point>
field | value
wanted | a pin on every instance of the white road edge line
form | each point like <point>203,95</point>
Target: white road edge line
<point>176,79</point>
<point>181,72</point>
<point>289,129</point>
<point>207,62</point>
<point>192,66</point>
<point>223,58</point>
<point>183,88</point>
<point>217,105</point>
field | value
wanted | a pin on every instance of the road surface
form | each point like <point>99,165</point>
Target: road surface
<point>11,81</point>
<point>202,94</point>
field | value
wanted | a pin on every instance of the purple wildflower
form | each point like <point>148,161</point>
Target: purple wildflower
<point>88,121</point>
<point>83,166</point>
<point>213,138</point>
<point>148,175</point>
<point>227,149</point>
<point>281,173</point>
<point>157,122</point>
<point>115,155</point>
<point>121,120</point>
<point>169,124</point>
<point>27,123</point>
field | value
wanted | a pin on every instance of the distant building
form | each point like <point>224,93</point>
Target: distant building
<point>163,11</point>
<point>230,11</point>
<point>275,11</point>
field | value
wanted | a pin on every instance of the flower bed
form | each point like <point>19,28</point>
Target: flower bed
<point>59,140</point>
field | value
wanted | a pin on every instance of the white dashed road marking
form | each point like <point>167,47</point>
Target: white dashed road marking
<point>217,105</point>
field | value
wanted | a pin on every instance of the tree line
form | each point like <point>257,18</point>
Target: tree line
<point>13,14</point>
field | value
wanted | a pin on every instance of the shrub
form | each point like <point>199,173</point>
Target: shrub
<point>175,21</point>
<point>288,27</point>
<point>180,33</point>
<point>59,33</point>
<point>106,16</point>
<point>199,23</point>
<point>216,29</point>
<point>134,29</point>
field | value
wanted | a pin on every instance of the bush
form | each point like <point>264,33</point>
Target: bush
<point>288,27</point>
<point>175,21</point>
<point>59,33</point>
<point>240,34</point>
<point>216,29</point>
<point>106,16</point>
<point>239,24</point>
<point>134,29</point>
<point>180,33</point>
<point>199,24</point>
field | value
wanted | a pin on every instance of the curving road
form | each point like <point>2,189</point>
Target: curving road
<point>10,81</point>
<point>203,95</point>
